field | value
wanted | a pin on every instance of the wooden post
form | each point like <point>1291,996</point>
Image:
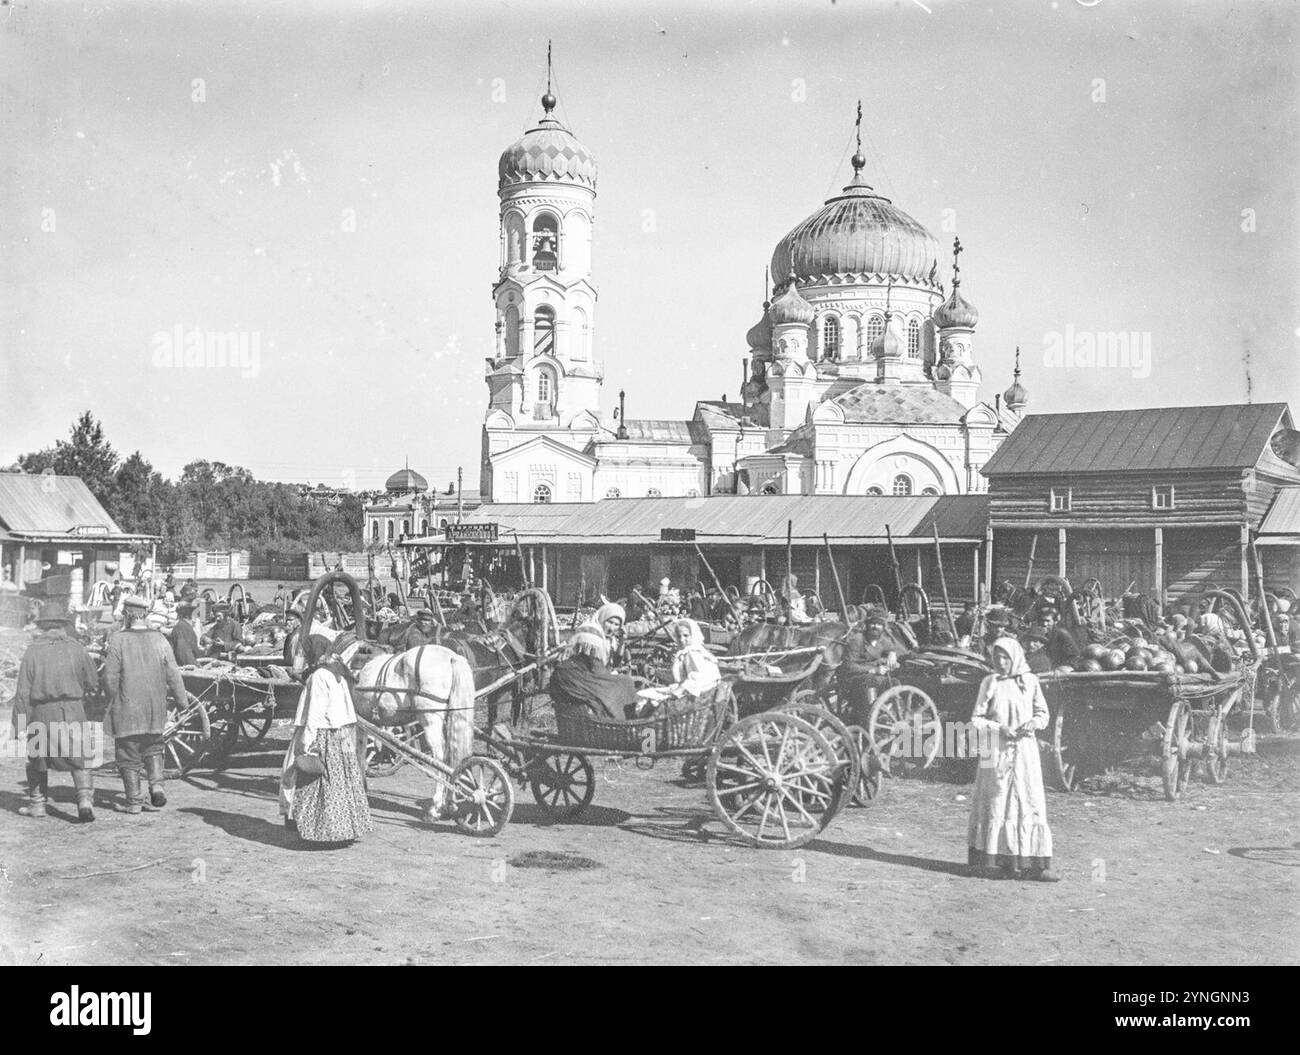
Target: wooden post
<point>817,572</point>
<point>1245,574</point>
<point>717,582</point>
<point>1160,570</point>
<point>839,590</point>
<point>1029,568</point>
<point>975,574</point>
<point>1060,552</point>
<point>1264,614</point>
<point>21,572</point>
<point>919,580</point>
<point>988,565</point>
<point>789,557</point>
<point>943,580</point>
<point>898,573</point>
<point>762,564</point>
<point>545,585</point>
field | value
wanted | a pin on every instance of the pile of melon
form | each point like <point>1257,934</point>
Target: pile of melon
<point>1167,655</point>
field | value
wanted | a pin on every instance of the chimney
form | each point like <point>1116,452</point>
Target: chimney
<point>621,434</point>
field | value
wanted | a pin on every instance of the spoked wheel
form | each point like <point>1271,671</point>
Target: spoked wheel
<point>482,797</point>
<point>841,740</point>
<point>383,760</point>
<point>1215,759</point>
<point>1175,766</point>
<point>186,738</point>
<point>563,785</point>
<point>905,729</point>
<point>1062,770</point>
<point>772,780</point>
<point>249,724</point>
<point>870,772</point>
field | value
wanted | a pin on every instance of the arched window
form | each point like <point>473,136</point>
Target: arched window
<point>424,527</point>
<point>902,484</point>
<point>442,523</point>
<point>546,243</point>
<point>374,530</point>
<point>770,489</point>
<point>831,338</point>
<point>875,492</point>
<point>514,238</point>
<point>390,531</point>
<point>544,331</point>
<point>511,323</point>
<point>932,492</point>
<point>613,492</point>
<point>580,335</point>
<point>406,527</point>
<point>544,387</point>
<point>654,492</point>
<point>914,339</point>
<point>542,494</point>
<point>875,327</point>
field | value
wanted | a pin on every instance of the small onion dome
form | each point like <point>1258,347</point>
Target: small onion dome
<point>892,343</point>
<point>548,153</point>
<point>1015,397</point>
<point>405,480</point>
<point>760,334</point>
<point>956,311</point>
<point>791,307</point>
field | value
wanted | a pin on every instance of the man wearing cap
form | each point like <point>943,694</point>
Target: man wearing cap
<point>1036,651</point>
<point>421,631</point>
<point>1062,649</point>
<point>869,655</point>
<point>227,635</point>
<point>54,678</point>
<point>184,638</point>
<point>139,672</point>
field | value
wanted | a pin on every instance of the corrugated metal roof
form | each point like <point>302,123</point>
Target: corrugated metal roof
<point>910,405</point>
<point>53,505</point>
<point>1283,516</point>
<point>1160,438</point>
<point>754,520</point>
<point>658,430</point>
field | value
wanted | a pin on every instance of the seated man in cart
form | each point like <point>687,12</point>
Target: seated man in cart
<point>1062,647</point>
<point>583,681</point>
<point>1036,651</point>
<point>870,654</point>
<point>226,636</point>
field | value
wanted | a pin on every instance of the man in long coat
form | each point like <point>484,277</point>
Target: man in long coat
<point>184,638</point>
<point>54,678</point>
<point>139,672</point>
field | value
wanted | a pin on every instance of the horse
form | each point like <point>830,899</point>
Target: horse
<point>447,720</point>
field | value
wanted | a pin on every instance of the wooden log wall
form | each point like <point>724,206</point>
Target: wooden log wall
<point>1118,498</point>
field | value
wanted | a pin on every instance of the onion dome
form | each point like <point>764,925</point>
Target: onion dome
<point>892,342</point>
<point>760,334</point>
<point>956,310</point>
<point>1016,397</point>
<point>791,307</point>
<point>548,153</point>
<point>857,233</point>
<point>406,480</point>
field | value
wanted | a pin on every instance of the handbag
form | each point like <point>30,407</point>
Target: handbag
<point>309,767</point>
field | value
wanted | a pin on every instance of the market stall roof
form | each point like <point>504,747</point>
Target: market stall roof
<point>1234,436</point>
<point>56,509</point>
<point>1281,524</point>
<point>741,520</point>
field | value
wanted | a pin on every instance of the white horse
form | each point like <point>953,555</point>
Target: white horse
<point>447,720</point>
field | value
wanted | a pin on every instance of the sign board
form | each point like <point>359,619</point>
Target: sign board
<point>90,529</point>
<point>676,534</point>
<point>471,532</point>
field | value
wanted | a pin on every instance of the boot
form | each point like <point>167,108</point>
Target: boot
<point>38,784</point>
<point>84,781</point>
<point>153,766</point>
<point>131,785</point>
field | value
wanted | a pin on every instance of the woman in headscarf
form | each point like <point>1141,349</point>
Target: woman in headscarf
<point>1008,818</point>
<point>695,671</point>
<point>609,619</point>
<point>583,680</point>
<point>322,781</point>
<point>797,611</point>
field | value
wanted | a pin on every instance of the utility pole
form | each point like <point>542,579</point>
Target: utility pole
<point>460,503</point>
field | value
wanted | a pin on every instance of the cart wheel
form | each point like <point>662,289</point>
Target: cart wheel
<point>563,785</point>
<point>905,730</point>
<point>841,741</point>
<point>482,797</point>
<point>1175,767</point>
<point>772,780</point>
<point>869,769</point>
<point>249,725</point>
<point>1215,760</point>
<point>1061,768</point>
<point>383,760</point>
<point>1272,688</point>
<point>186,738</point>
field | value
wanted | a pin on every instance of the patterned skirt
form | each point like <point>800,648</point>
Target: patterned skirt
<point>333,808</point>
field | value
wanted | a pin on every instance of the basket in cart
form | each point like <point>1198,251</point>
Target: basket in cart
<point>666,732</point>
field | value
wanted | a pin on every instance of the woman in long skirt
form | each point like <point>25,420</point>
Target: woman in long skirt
<point>1008,817</point>
<point>330,807</point>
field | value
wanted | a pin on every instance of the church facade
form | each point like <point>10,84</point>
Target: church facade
<point>861,376</point>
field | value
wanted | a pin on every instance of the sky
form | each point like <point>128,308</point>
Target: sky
<point>321,178</point>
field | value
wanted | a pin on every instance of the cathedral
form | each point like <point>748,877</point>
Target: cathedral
<point>861,377</point>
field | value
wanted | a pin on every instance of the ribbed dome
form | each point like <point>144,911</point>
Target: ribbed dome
<point>1016,397</point>
<point>405,480</point>
<point>891,344</point>
<point>760,334</point>
<point>857,233</point>
<point>791,307</point>
<point>549,153</point>
<point>956,311</point>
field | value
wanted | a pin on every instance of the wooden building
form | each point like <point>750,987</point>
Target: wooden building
<point>1166,499</point>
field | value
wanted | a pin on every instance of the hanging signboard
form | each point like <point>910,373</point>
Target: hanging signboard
<point>676,534</point>
<point>471,532</point>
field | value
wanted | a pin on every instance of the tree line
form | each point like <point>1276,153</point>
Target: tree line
<point>211,506</point>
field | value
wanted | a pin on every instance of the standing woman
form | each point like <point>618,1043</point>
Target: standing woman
<point>1008,817</point>
<point>322,783</point>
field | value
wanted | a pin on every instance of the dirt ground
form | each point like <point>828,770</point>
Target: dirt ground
<point>214,878</point>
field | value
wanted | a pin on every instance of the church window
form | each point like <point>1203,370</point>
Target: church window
<point>902,484</point>
<point>542,494</point>
<point>544,331</point>
<point>406,528</point>
<point>932,492</point>
<point>514,238</point>
<point>424,527</point>
<point>914,339</point>
<point>613,492</point>
<point>831,338</point>
<point>654,492</point>
<point>581,335</point>
<point>545,392</point>
<point>546,243</point>
<point>390,531</point>
<point>374,530</point>
<point>875,327</point>
<point>875,492</point>
<point>511,323</point>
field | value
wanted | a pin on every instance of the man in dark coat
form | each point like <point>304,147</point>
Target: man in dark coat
<point>184,638</point>
<point>54,678</point>
<point>227,635</point>
<point>1036,651</point>
<point>869,655</point>
<point>420,632</point>
<point>139,672</point>
<point>1062,648</point>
